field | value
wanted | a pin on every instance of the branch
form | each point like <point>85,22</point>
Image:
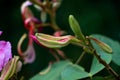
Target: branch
<point>80,57</point>
<point>110,70</point>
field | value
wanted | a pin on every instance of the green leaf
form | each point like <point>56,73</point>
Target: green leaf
<point>74,72</point>
<point>63,70</point>
<point>115,45</point>
<point>116,52</point>
<point>54,73</point>
<point>96,66</point>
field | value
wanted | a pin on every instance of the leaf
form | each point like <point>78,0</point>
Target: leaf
<point>116,52</point>
<point>54,73</point>
<point>96,66</point>
<point>63,70</point>
<point>74,72</point>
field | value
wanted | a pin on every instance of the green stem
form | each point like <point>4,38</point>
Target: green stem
<point>80,58</point>
<point>53,22</point>
<point>43,25</point>
<point>37,3</point>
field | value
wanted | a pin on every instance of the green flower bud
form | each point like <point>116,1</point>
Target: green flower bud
<point>76,27</point>
<point>53,41</point>
<point>9,69</point>
<point>102,45</point>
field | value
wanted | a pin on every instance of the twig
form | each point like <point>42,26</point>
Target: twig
<point>106,65</point>
<point>37,3</point>
<point>53,22</point>
<point>43,25</point>
<point>80,58</point>
<point>54,54</point>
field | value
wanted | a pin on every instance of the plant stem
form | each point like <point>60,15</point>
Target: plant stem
<point>53,22</point>
<point>43,25</point>
<point>37,3</point>
<point>106,65</point>
<point>54,55</point>
<point>80,58</point>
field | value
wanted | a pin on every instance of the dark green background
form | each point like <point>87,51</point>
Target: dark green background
<point>94,16</point>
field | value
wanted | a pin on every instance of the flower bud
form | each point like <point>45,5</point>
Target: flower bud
<point>9,69</point>
<point>102,45</point>
<point>53,41</point>
<point>76,27</point>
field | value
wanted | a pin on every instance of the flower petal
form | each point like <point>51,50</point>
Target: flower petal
<point>25,4</point>
<point>19,66</point>
<point>0,33</point>
<point>5,52</point>
<point>2,56</point>
<point>29,54</point>
<point>59,33</point>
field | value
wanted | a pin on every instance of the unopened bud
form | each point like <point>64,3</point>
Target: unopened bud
<point>76,27</point>
<point>102,45</point>
<point>53,41</point>
<point>9,69</point>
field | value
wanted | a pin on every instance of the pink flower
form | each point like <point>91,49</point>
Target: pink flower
<point>5,52</point>
<point>0,32</point>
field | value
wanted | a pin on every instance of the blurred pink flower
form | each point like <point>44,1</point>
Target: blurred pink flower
<point>5,52</point>
<point>0,32</point>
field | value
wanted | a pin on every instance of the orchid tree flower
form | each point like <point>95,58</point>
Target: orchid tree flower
<point>8,65</point>
<point>5,52</point>
<point>0,33</point>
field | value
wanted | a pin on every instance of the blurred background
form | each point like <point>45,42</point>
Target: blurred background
<point>94,16</point>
